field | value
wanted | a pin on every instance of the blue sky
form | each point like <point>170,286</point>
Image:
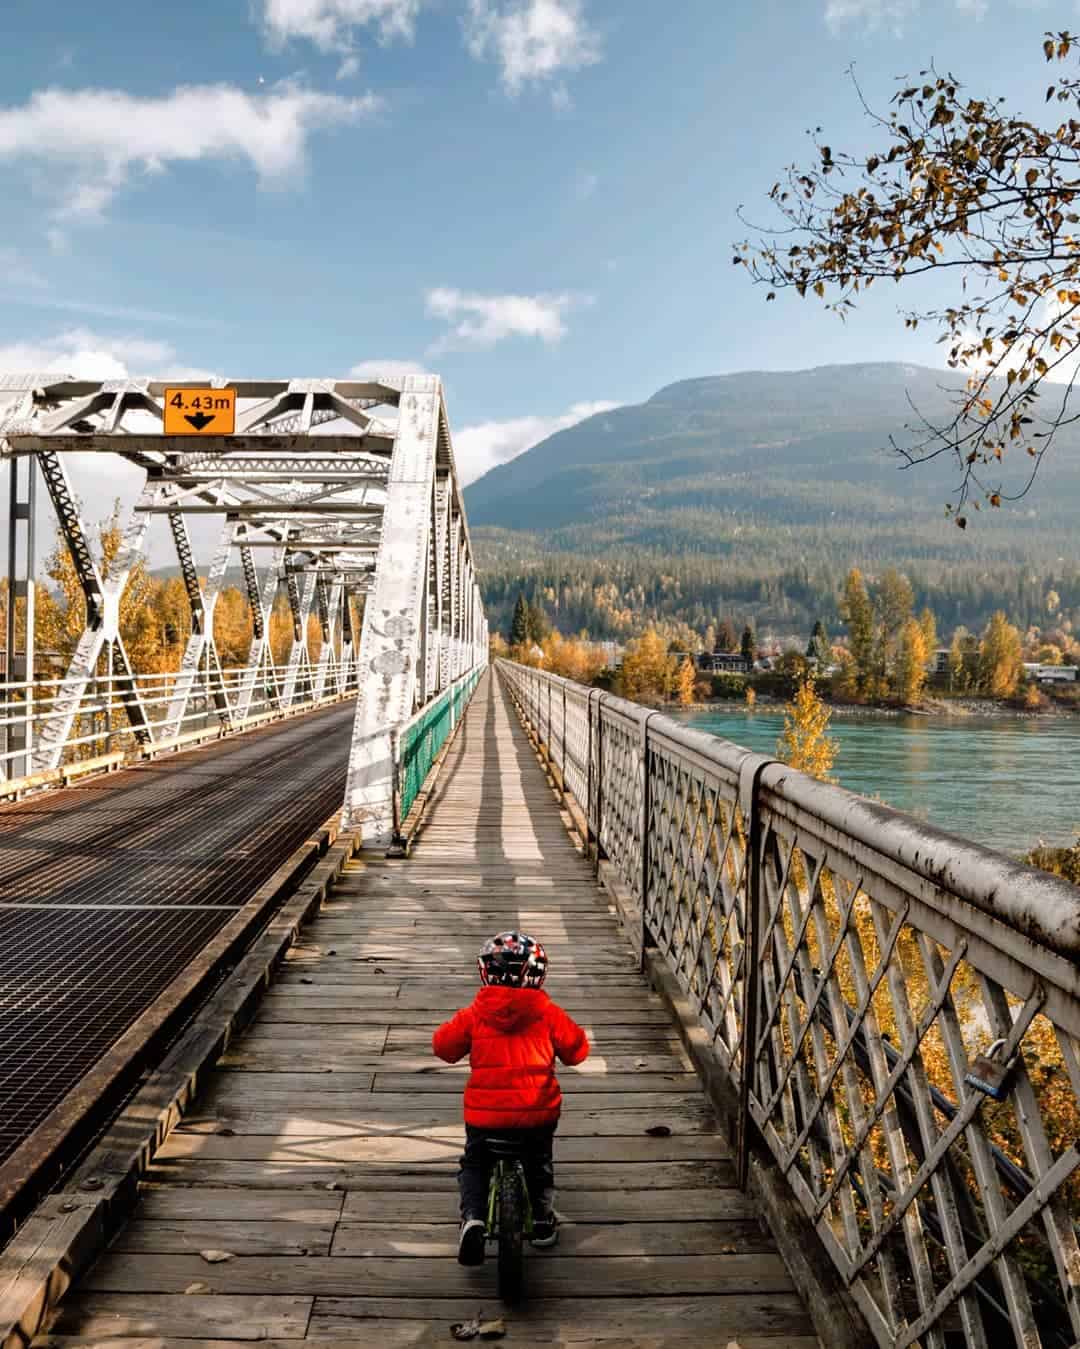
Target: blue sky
<point>535,198</point>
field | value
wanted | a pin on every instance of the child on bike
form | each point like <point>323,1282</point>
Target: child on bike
<point>512,1033</point>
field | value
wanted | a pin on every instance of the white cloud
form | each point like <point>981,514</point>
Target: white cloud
<point>483,320</point>
<point>349,67</point>
<point>894,13</point>
<point>393,369</point>
<point>90,355</point>
<point>328,23</point>
<point>531,40</point>
<point>483,446</point>
<point>96,138</point>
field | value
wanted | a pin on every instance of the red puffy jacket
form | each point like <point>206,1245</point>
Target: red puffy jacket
<point>512,1037</point>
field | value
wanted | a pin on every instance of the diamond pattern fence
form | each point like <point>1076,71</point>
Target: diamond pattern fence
<point>851,965</point>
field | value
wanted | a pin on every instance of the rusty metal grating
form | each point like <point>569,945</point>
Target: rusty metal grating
<point>108,890</point>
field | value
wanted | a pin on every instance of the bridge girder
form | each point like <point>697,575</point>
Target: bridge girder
<point>351,503</point>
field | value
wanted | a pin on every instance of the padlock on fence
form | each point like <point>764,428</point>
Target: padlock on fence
<point>989,1074</point>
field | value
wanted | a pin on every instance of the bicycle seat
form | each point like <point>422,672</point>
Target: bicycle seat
<point>505,1147</point>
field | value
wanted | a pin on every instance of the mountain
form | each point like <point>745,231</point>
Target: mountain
<point>803,450</point>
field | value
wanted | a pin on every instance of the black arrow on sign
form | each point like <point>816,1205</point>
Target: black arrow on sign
<point>199,421</point>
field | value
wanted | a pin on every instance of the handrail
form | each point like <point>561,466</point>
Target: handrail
<point>848,964</point>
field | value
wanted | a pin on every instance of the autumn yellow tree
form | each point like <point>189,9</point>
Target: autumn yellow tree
<point>648,670</point>
<point>858,613</point>
<point>1000,660</point>
<point>805,743</point>
<point>909,671</point>
<point>685,682</point>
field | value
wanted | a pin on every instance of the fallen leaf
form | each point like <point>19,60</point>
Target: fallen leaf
<point>492,1330</point>
<point>639,1063</point>
<point>334,1185</point>
<point>728,1250</point>
<point>378,971</point>
<point>466,1330</point>
<point>331,953</point>
<point>658,1131</point>
<point>307,981</point>
<point>197,1288</point>
<point>216,1257</point>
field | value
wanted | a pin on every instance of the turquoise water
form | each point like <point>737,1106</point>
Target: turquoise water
<point>1006,783</point>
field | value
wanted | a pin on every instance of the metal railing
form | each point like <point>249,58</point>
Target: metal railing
<point>177,705</point>
<point>416,745</point>
<point>859,973</point>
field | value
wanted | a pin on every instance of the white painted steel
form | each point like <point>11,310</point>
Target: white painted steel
<point>342,497</point>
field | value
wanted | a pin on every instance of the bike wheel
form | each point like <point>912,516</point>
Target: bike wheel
<point>511,1235</point>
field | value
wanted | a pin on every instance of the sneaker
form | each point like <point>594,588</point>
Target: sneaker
<point>545,1230</point>
<point>470,1249</point>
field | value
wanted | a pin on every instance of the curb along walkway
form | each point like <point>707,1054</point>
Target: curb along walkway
<point>323,1159</point>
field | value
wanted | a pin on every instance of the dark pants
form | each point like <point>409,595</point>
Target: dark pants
<point>477,1163</point>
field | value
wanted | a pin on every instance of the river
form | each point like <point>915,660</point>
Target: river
<point>1006,782</point>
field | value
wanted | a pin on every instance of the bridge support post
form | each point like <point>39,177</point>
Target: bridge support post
<point>19,667</point>
<point>390,639</point>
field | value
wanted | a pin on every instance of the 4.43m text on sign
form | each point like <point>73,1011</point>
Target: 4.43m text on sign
<point>200,412</point>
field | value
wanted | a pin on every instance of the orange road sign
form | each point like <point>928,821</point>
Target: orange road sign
<point>200,412</point>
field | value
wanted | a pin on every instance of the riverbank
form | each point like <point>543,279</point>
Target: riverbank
<point>987,709</point>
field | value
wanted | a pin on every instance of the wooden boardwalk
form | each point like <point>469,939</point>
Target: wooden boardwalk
<point>323,1158</point>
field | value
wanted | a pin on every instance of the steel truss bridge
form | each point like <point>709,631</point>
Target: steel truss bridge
<point>834,1088</point>
<point>342,494</point>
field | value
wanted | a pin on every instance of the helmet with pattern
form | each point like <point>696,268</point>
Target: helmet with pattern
<point>513,960</point>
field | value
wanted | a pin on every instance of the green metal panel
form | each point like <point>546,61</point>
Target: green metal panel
<point>421,743</point>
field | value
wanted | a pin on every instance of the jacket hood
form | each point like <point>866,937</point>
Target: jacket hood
<point>509,1009</point>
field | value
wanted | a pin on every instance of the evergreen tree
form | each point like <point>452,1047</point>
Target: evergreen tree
<point>725,636</point>
<point>894,603</point>
<point>818,649</point>
<point>537,622</point>
<point>519,628</point>
<point>748,646</point>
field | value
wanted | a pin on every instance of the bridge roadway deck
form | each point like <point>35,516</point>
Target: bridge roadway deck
<point>323,1156</point>
<point>109,888</point>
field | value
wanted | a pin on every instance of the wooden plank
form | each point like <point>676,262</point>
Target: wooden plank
<point>613,1113</point>
<point>581,1206</point>
<point>705,1321</point>
<point>359,996</point>
<point>251,1237</point>
<point>326,1058</point>
<point>305,1123</point>
<point>348,1276</point>
<point>177,1203</point>
<point>405,1334</point>
<point>612,1175</point>
<point>195,1316</point>
<point>380,1241</point>
<point>572,1082</point>
<point>427,1145</point>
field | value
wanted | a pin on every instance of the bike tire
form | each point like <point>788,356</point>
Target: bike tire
<point>511,1267</point>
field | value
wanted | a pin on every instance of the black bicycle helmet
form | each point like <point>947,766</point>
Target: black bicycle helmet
<point>513,960</point>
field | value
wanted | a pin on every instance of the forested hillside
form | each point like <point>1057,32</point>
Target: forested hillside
<point>753,494</point>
